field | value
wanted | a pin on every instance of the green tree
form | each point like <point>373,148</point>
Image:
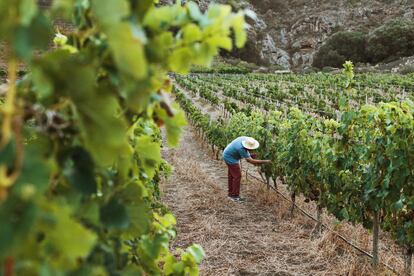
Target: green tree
<point>391,41</point>
<point>340,47</point>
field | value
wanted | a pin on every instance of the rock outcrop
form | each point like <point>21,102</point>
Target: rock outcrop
<point>288,33</point>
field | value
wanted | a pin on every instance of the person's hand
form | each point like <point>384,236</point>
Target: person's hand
<point>267,161</point>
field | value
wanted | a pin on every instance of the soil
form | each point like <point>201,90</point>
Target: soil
<point>257,237</point>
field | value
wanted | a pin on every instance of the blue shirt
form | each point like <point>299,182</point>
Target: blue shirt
<point>235,151</point>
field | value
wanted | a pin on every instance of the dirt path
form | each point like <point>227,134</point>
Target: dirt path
<point>200,103</point>
<point>253,238</point>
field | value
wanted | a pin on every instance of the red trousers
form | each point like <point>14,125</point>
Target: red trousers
<point>234,176</point>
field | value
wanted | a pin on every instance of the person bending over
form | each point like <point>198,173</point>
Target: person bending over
<point>240,148</point>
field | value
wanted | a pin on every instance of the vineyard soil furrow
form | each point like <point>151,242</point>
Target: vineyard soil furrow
<point>254,238</point>
<point>201,103</point>
<point>356,234</point>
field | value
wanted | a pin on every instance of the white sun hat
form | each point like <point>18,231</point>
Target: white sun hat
<point>250,143</point>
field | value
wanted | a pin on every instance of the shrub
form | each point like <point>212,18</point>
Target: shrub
<point>391,41</point>
<point>407,69</point>
<point>340,47</point>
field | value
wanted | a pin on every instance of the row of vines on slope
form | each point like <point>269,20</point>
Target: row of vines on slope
<point>80,147</point>
<point>359,168</point>
<point>314,93</point>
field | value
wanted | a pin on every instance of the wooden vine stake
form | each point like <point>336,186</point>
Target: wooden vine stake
<point>293,198</point>
<point>408,257</point>
<point>319,225</point>
<point>268,182</point>
<point>275,182</point>
<point>218,153</point>
<point>262,177</point>
<point>375,233</point>
<point>266,149</point>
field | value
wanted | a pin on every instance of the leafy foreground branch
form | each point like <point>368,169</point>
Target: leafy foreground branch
<point>80,144</point>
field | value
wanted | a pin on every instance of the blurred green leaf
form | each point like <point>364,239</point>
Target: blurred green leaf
<point>195,12</point>
<point>70,246</point>
<point>110,12</point>
<point>180,60</point>
<point>220,42</point>
<point>41,83</point>
<point>153,246</point>
<point>15,229</point>
<point>197,252</point>
<point>239,28</point>
<point>128,50</point>
<point>28,38</point>
<point>28,10</point>
<point>191,33</point>
<point>99,120</point>
<point>8,153</point>
<point>35,170</point>
<point>114,215</point>
<point>79,170</point>
<point>174,125</point>
<point>63,8</point>
<point>150,154</point>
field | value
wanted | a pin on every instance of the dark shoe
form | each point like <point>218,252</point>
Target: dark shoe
<point>236,199</point>
<point>232,198</point>
<point>240,199</point>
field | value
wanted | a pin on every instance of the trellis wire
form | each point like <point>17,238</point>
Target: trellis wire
<point>352,244</point>
<point>323,226</point>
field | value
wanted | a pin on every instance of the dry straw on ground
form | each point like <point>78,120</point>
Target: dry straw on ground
<point>257,237</point>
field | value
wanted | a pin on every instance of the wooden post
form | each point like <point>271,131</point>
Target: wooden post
<point>274,182</point>
<point>408,256</point>
<point>375,241</point>
<point>268,182</point>
<point>293,198</point>
<point>319,212</point>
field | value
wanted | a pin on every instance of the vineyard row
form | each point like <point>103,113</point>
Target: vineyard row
<point>358,168</point>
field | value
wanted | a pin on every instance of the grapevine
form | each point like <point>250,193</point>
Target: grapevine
<point>80,143</point>
<point>357,167</point>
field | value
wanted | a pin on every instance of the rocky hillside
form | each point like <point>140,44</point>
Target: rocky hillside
<point>288,33</point>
